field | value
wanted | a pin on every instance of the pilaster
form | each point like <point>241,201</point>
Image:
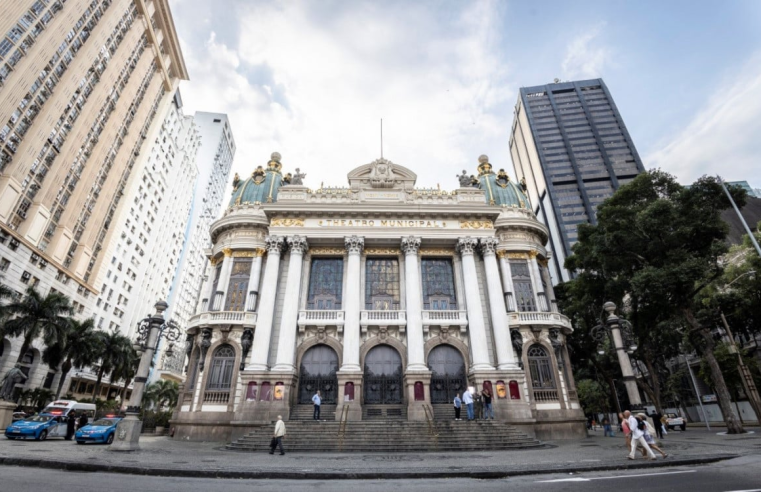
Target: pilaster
<point>477,329</point>
<point>263,333</point>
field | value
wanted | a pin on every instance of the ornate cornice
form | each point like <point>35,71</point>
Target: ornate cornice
<point>354,244</point>
<point>467,245</point>
<point>411,245</point>
<point>489,245</point>
<point>436,252</point>
<point>382,251</point>
<point>244,254</point>
<point>327,251</point>
<point>476,224</point>
<point>274,244</point>
<point>298,244</point>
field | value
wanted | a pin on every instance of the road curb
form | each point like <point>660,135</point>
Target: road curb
<point>346,475</point>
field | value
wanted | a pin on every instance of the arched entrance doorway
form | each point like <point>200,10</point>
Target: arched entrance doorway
<point>448,376</point>
<point>318,372</point>
<point>383,376</point>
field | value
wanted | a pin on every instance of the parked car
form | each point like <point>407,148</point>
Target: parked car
<point>38,427</point>
<point>18,416</point>
<point>102,431</point>
<point>675,421</point>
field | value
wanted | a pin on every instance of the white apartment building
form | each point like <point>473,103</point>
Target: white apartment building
<point>215,159</point>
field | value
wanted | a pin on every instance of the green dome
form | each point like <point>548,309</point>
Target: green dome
<point>499,188</point>
<point>262,186</point>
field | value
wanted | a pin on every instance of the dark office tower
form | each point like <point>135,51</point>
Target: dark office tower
<point>571,145</point>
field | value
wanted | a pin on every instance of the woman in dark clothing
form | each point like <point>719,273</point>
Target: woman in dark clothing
<point>71,426</point>
<point>83,420</point>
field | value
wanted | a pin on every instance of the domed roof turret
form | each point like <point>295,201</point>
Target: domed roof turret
<point>499,188</point>
<point>262,186</point>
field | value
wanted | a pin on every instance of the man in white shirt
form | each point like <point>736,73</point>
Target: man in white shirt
<point>467,399</point>
<point>638,436</point>
<point>317,402</point>
<point>278,436</point>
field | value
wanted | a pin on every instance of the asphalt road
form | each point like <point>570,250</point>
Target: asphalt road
<point>740,474</point>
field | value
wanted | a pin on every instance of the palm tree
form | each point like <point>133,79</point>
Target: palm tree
<point>126,370</point>
<point>36,315</point>
<point>5,293</point>
<point>112,347</point>
<point>161,393</point>
<point>75,346</point>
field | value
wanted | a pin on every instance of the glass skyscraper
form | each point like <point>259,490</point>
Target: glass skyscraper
<point>570,144</point>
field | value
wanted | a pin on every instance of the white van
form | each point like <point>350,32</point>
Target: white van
<point>64,407</point>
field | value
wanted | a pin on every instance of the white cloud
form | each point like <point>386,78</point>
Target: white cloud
<point>723,136</point>
<point>313,86</point>
<point>585,57</point>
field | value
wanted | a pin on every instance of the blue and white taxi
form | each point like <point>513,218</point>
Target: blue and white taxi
<point>38,427</point>
<point>102,431</point>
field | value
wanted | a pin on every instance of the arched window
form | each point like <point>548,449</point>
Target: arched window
<point>542,375</point>
<point>222,364</point>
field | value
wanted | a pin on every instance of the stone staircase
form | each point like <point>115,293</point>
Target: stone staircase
<point>384,412</point>
<point>390,436</point>
<point>306,412</point>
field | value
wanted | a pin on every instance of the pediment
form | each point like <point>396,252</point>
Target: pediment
<point>382,173</point>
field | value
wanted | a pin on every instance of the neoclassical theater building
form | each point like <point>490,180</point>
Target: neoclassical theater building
<point>389,299</point>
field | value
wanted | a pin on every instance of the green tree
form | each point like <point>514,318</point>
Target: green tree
<point>592,396</point>
<point>76,345</point>
<point>728,363</point>
<point>36,316</point>
<point>161,394</point>
<point>125,370</point>
<point>113,348</point>
<point>658,244</point>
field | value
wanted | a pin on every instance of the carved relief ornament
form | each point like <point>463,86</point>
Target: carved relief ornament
<point>354,244</point>
<point>279,222</point>
<point>411,245</point>
<point>476,224</point>
<point>298,244</point>
<point>467,245</point>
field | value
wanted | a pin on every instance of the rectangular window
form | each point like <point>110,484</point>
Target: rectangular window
<point>438,284</point>
<point>382,284</point>
<point>325,283</point>
<point>524,293</point>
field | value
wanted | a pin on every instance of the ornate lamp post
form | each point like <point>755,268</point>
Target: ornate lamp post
<point>149,332</point>
<point>620,331</point>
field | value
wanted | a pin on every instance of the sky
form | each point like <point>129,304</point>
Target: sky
<point>312,80</point>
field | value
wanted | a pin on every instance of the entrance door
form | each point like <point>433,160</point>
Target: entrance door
<point>318,372</point>
<point>448,376</point>
<point>383,376</point>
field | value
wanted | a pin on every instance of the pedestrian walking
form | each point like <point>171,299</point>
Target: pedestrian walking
<point>607,428</point>
<point>479,406</point>
<point>467,399</point>
<point>278,436</point>
<point>71,426</point>
<point>638,428</point>
<point>317,402</point>
<point>488,409</point>
<point>657,424</point>
<point>649,435</point>
<point>664,424</point>
<point>457,406</point>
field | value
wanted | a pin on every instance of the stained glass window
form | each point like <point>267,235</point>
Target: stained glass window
<point>438,284</point>
<point>222,363</point>
<point>542,376</point>
<point>325,283</point>
<point>524,293</point>
<point>237,289</point>
<point>382,284</point>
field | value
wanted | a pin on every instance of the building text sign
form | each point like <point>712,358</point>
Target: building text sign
<point>379,223</point>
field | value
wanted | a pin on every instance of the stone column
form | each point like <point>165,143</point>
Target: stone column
<point>476,327</point>
<point>352,304</point>
<point>500,327</point>
<point>208,288</point>
<point>415,341</point>
<point>286,346</point>
<point>261,349</point>
<point>536,281</point>
<point>253,280</point>
<point>507,279</point>
<point>224,280</point>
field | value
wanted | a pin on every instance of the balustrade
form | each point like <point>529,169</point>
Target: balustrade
<point>546,395</point>
<point>216,397</point>
<point>543,306</point>
<point>538,318</point>
<point>226,317</point>
<point>388,317</point>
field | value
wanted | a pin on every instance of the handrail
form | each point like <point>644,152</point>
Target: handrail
<point>342,426</point>
<point>431,426</point>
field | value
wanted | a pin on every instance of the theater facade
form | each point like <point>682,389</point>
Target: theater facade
<point>389,299</point>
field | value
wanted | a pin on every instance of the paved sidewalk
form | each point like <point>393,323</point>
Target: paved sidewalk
<point>162,456</point>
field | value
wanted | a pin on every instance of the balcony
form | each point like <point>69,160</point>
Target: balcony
<point>235,318</point>
<point>535,318</point>
<point>382,318</point>
<point>320,317</point>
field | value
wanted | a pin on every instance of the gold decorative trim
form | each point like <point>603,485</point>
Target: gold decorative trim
<point>501,253</point>
<point>227,252</point>
<point>328,251</point>
<point>277,222</point>
<point>214,261</point>
<point>436,252</point>
<point>476,224</point>
<point>260,252</point>
<point>245,254</point>
<point>533,254</point>
<point>383,251</point>
<point>517,256</point>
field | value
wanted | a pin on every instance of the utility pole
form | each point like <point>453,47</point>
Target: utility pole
<point>749,386</point>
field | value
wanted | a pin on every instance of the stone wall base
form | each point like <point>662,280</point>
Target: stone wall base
<point>560,425</point>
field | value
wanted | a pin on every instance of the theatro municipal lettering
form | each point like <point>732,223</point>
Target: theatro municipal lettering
<point>381,223</point>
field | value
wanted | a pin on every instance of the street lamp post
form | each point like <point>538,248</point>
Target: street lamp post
<point>149,331</point>
<point>624,345</point>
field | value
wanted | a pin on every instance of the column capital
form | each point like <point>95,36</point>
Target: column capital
<point>467,245</point>
<point>354,244</point>
<point>227,252</point>
<point>489,246</point>
<point>298,244</point>
<point>274,244</point>
<point>411,245</point>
